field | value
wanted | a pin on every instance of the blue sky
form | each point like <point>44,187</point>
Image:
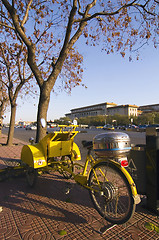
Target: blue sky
<point>109,78</point>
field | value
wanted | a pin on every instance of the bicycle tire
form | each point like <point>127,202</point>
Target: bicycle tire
<point>112,195</point>
<point>31,177</point>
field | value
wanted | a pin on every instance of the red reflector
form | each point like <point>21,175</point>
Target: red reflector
<point>77,156</point>
<point>124,163</point>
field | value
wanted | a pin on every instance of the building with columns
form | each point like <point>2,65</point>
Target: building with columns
<point>128,110</point>
<point>103,109</point>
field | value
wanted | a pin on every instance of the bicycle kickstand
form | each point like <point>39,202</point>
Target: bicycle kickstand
<point>106,228</point>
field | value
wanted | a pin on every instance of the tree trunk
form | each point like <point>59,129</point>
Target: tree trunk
<point>11,126</point>
<point>1,116</point>
<point>1,123</point>
<point>42,112</point>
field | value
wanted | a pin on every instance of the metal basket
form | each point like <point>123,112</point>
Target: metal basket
<point>112,144</point>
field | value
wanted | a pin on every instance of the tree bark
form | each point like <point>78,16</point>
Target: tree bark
<point>11,126</point>
<point>1,123</point>
<point>42,111</point>
<point>1,118</point>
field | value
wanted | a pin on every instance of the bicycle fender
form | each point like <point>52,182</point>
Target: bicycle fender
<point>136,197</point>
<point>33,156</point>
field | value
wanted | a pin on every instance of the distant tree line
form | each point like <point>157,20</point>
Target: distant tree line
<point>147,118</point>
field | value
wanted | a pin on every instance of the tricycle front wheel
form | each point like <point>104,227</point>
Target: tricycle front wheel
<point>67,162</point>
<point>31,176</point>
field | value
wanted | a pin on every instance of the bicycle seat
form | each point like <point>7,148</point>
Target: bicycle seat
<point>87,144</point>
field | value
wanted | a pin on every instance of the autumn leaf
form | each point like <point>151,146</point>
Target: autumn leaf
<point>122,54</point>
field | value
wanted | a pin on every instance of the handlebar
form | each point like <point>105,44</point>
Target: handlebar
<point>68,126</point>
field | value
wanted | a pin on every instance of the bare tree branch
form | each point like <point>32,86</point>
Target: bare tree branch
<point>7,26</point>
<point>26,13</point>
<point>87,17</point>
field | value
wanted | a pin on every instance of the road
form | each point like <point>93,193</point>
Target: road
<point>88,134</point>
<point>21,133</point>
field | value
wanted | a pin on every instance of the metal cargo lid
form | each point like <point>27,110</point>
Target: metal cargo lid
<point>111,144</point>
<point>112,136</point>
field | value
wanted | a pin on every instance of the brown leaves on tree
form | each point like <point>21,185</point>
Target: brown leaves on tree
<point>14,74</point>
<point>71,75</point>
<point>50,30</point>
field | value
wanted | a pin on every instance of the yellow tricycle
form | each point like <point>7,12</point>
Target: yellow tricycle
<point>111,188</point>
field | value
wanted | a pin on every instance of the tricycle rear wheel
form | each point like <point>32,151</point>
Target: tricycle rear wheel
<point>31,176</point>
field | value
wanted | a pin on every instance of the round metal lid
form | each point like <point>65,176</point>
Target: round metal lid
<point>112,135</point>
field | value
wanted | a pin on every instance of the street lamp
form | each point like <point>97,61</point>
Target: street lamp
<point>106,119</point>
<point>114,121</point>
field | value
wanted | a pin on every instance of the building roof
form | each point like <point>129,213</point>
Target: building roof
<point>125,106</point>
<point>150,105</point>
<point>95,105</point>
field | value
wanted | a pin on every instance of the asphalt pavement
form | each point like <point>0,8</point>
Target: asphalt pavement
<point>24,135</point>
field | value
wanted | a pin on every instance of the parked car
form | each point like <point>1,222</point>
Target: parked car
<point>27,127</point>
<point>99,127</point>
<point>33,127</point>
<point>108,127</point>
<point>142,128</point>
<point>30,127</point>
<point>153,125</point>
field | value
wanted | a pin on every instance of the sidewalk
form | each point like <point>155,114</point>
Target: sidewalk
<point>45,211</point>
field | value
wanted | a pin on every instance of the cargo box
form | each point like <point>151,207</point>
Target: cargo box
<point>114,144</point>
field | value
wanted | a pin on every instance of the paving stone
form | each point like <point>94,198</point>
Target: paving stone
<point>42,212</point>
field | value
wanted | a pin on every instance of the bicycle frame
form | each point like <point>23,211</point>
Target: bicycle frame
<point>111,188</point>
<point>44,156</point>
<point>82,178</point>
